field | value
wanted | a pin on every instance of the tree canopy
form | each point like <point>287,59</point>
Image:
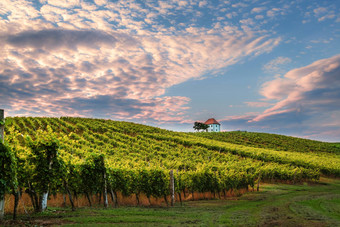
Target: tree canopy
<point>200,126</point>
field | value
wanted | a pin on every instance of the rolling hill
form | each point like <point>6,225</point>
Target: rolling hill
<point>137,158</point>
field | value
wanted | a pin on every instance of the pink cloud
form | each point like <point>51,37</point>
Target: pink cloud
<point>246,117</point>
<point>306,104</point>
<point>258,104</point>
<point>258,9</point>
<point>275,64</point>
<point>312,87</point>
<point>59,53</point>
<point>269,113</point>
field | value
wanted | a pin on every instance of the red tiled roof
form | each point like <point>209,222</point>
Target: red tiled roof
<point>211,121</point>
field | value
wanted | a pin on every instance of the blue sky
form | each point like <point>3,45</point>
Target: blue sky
<point>268,66</point>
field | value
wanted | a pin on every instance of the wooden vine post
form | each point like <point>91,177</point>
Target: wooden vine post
<point>102,162</point>
<point>106,202</point>
<point>172,187</point>
<point>258,182</point>
<point>2,126</point>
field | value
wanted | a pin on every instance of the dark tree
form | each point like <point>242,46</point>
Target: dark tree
<point>200,126</point>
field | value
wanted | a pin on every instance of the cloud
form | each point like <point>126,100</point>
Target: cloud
<point>325,13</point>
<point>274,66</point>
<point>100,2</point>
<point>64,3</point>
<point>320,10</point>
<point>247,22</point>
<point>104,104</point>
<point>307,103</point>
<point>202,3</point>
<point>258,104</point>
<point>329,16</point>
<point>240,4</point>
<point>58,64</point>
<point>258,9</point>
<point>274,11</point>
<point>231,15</point>
<point>52,39</point>
<point>66,57</point>
<point>311,88</point>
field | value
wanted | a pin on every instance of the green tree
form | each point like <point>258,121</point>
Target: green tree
<point>200,126</point>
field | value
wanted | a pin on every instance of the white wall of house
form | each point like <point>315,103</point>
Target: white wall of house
<point>214,128</point>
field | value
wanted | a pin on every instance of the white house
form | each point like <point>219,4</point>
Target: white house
<point>214,126</point>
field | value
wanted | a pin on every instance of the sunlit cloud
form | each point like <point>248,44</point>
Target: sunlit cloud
<point>310,86</point>
<point>315,87</point>
<point>76,57</point>
<point>306,103</point>
<point>258,9</point>
<point>274,66</point>
<point>258,104</point>
<point>322,13</point>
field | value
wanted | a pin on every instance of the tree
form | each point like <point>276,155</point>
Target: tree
<point>200,126</point>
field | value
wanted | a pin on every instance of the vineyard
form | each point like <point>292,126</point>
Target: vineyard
<point>272,141</point>
<point>80,156</point>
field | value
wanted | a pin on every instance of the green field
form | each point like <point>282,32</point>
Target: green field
<point>274,205</point>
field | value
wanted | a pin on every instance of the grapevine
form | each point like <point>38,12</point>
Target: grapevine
<point>94,154</point>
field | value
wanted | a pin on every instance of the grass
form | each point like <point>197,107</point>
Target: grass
<point>275,205</point>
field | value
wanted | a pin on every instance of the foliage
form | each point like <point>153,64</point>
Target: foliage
<point>137,158</point>
<point>41,167</point>
<point>329,164</point>
<point>272,141</point>
<point>200,126</point>
<point>8,169</point>
<point>44,160</point>
<point>91,173</point>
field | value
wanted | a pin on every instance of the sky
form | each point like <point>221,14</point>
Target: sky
<point>253,65</point>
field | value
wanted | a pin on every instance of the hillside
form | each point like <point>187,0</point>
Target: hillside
<point>272,141</point>
<point>137,158</point>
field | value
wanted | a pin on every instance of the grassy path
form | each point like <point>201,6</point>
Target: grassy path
<point>275,205</point>
<point>287,205</point>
